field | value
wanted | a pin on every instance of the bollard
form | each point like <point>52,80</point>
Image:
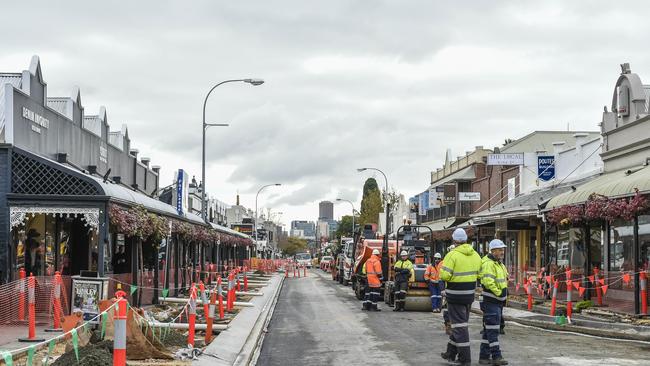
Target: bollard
<point>599,291</point>
<point>204,299</point>
<point>57,303</point>
<point>21,295</point>
<point>220,297</point>
<point>231,287</point>
<point>245,280</point>
<point>298,271</point>
<point>210,317</point>
<point>294,270</point>
<point>305,272</point>
<point>530,294</point>
<point>119,323</point>
<point>569,303</point>
<point>192,316</point>
<point>286,271</point>
<point>554,298</point>
<point>237,277</point>
<point>643,281</point>
<point>31,303</point>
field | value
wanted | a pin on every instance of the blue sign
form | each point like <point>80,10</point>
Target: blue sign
<point>546,168</point>
<point>179,191</point>
<point>424,202</point>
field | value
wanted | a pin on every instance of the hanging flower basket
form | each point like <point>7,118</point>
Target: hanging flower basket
<point>599,207</point>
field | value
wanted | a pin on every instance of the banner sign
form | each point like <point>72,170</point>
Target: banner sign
<point>424,202</point>
<point>546,168</point>
<point>182,186</point>
<point>469,196</point>
<point>505,159</point>
<point>433,198</point>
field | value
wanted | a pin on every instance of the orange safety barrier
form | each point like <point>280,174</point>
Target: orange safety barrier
<point>119,323</point>
<point>204,299</point>
<point>245,279</point>
<point>599,290</point>
<point>569,303</point>
<point>192,316</point>
<point>21,295</point>
<point>210,316</point>
<point>643,281</point>
<point>56,302</point>
<point>31,301</point>
<point>554,298</point>
<point>220,297</point>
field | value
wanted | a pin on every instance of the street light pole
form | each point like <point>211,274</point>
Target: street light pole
<point>256,196</point>
<point>204,206</point>
<point>384,248</point>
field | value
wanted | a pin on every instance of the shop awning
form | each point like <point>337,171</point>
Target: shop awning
<point>463,174</point>
<point>229,231</point>
<point>444,225</point>
<point>613,185</point>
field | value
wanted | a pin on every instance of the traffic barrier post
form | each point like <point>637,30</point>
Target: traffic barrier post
<point>305,271</point>
<point>204,299</point>
<point>245,279</point>
<point>530,294</point>
<point>31,300</point>
<point>210,317</point>
<point>643,281</point>
<point>56,301</point>
<point>220,298</point>
<point>599,290</point>
<point>192,316</point>
<point>119,324</point>
<point>569,303</point>
<point>554,298</point>
<point>22,284</point>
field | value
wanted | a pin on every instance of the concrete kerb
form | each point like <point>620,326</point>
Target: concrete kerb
<point>527,318</point>
<point>240,344</point>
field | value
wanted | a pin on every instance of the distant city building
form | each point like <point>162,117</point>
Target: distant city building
<point>303,229</point>
<point>326,210</point>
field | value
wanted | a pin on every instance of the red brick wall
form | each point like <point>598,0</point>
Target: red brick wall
<point>491,183</point>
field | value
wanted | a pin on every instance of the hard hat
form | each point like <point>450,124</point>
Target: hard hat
<point>375,252</point>
<point>437,255</point>
<point>459,235</point>
<point>403,253</point>
<point>496,244</point>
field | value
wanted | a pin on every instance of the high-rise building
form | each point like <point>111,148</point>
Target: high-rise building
<point>326,210</point>
<point>307,229</point>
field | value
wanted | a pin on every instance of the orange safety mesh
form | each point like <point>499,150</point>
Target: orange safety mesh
<point>10,300</point>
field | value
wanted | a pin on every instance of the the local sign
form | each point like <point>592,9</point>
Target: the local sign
<point>469,196</point>
<point>546,168</point>
<point>505,159</point>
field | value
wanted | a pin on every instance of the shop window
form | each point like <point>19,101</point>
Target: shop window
<point>644,240</point>
<point>596,247</point>
<point>621,246</point>
<point>550,249</point>
<point>571,249</point>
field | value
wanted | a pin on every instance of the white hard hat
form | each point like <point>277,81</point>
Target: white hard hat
<point>459,235</point>
<point>437,255</point>
<point>403,253</point>
<point>496,244</point>
<point>375,252</point>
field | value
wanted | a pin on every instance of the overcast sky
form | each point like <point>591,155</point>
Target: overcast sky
<point>389,84</point>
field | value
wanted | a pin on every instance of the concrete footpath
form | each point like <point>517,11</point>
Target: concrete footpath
<point>579,324</point>
<point>240,344</point>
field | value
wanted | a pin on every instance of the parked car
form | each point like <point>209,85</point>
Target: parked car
<point>303,259</point>
<point>326,262</point>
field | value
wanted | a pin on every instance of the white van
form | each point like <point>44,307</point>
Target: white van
<point>303,259</point>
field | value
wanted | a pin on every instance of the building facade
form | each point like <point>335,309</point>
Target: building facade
<point>326,210</point>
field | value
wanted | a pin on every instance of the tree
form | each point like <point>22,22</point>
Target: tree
<point>293,245</point>
<point>371,204</point>
<point>345,226</point>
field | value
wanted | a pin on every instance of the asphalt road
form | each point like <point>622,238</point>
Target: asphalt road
<point>319,322</point>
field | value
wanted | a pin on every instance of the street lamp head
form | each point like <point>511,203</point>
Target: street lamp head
<point>278,184</point>
<point>338,199</point>
<point>361,169</point>
<point>254,82</point>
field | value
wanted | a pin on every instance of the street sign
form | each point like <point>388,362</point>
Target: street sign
<point>505,159</point>
<point>469,196</point>
<point>546,168</point>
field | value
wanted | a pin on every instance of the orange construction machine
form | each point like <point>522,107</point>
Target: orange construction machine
<point>363,252</point>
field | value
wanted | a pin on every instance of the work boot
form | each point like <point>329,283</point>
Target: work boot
<point>502,331</point>
<point>485,361</point>
<point>499,361</point>
<point>448,356</point>
<point>364,306</point>
<point>375,308</point>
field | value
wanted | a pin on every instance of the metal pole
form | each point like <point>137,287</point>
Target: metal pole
<point>384,254</point>
<point>256,217</point>
<point>205,126</point>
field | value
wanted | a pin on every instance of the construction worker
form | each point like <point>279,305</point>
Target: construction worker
<point>494,280</point>
<point>460,271</point>
<point>372,270</point>
<point>432,276</point>
<point>403,271</point>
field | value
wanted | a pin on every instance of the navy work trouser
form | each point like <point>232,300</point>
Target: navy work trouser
<point>492,314</point>
<point>459,339</point>
<point>436,298</point>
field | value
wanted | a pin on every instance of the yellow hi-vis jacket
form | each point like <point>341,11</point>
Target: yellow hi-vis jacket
<point>460,270</point>
<point>494,279</point>
<point>402,265</point>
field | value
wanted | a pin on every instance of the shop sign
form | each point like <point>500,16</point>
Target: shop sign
<point>505,159</point>
<point>546,168</point>
<point>469,196</point>
<point>86,295</point>
<point>39,120</point>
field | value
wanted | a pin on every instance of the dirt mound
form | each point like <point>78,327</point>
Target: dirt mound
<point>98,354</point>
